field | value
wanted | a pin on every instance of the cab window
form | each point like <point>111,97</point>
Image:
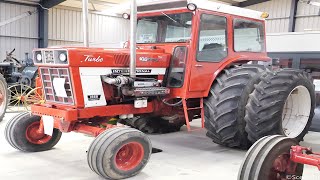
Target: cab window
<point>212,46</point>
<point>248,36</point>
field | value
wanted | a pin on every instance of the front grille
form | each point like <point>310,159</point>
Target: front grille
<point>48,57</point>
<point>47,76</point>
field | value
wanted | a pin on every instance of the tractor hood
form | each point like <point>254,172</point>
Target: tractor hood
<point>99,57</point>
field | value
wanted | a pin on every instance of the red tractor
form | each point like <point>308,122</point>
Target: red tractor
<point>192,59</point>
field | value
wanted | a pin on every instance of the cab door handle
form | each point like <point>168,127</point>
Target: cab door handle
<point>198,65</point>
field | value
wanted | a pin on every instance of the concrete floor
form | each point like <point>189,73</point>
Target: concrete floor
<point>186,155</point>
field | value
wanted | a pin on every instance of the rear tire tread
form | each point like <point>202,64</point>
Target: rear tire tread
<point>265,105</point>
<point>224,106</point>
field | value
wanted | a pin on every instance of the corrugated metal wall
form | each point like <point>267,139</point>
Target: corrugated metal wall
<point>21,34</point>
<point>279,11</point>
<point>308,18</point>
<point>65,27</point>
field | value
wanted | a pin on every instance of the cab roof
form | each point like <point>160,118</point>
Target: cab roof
<point>201,4</point>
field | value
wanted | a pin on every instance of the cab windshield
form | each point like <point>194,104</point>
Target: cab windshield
<point>165,28</point>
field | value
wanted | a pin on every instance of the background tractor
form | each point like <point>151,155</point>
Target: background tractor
<point>17,84</point>
<point>190,59</point>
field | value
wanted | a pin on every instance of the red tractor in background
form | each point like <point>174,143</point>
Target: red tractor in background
<point>193,59</point>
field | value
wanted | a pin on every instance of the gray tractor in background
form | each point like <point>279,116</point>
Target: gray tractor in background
<point>17,82</point>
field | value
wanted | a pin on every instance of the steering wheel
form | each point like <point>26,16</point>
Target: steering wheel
<point>11,59</point>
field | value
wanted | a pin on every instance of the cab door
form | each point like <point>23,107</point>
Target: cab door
<point>211,50</point>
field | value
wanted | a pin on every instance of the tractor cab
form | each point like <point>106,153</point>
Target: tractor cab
<point>203,38</point>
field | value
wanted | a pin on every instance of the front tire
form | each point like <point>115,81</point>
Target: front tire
<point>282,103</point>
<point>22,133</point>
<point>224,108</point>
<point>269,159</point>
<point>119,153</point>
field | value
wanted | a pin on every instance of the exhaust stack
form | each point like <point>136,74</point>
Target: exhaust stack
<point>85,13</point>
<point>133,38</point>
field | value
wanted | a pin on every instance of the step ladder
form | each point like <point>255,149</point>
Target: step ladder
<point>186,110</point>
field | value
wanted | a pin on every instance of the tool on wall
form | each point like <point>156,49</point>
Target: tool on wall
<point>11,20</point>
<point>311,2</point>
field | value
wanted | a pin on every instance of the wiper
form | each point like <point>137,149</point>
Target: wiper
<point>170,17</point>
<point>174,20</point>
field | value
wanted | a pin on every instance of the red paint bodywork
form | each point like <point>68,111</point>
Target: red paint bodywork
<point>198,77</point>
<point>305,155</point>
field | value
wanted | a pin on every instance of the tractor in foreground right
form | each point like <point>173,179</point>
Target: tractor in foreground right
<point>277,158</point>
<point>188,59</point>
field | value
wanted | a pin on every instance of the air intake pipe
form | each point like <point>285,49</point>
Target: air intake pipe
<point>133,38</point>
<point>119,80</point>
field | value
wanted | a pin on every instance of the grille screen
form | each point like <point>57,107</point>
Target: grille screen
<point>48,57</point>
<point>48,75</point>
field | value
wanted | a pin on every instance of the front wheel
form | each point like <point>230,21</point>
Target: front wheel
<point>24,132</point>
<point>269,159</point>
<point>119,153</point>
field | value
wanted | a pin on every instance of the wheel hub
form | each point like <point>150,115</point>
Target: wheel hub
<point>35,135</point>
<point>21,98</point>
<point>282,166</point>
<point>129,156</point>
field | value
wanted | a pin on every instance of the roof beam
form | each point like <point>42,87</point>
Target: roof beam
<point>251,2</point>
<point>293,14</point>
<point>43,28</point>
<point>50,3</point>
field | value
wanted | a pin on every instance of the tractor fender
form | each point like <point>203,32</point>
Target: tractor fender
<point>232,62</point>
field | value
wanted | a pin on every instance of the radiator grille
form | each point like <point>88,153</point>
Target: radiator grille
<point>47,76</point>
<point>122,59</point>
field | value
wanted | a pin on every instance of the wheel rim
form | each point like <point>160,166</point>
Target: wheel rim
<point>35,135</point>
<point>17,96</point>
<point>282,167</point>
<point>129,156</point>
<point>296,112</point>
<point>34,97</point>
<point>22,96</point>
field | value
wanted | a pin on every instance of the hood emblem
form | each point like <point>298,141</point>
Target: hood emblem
<point>146,59</point>
<point>90,58</point>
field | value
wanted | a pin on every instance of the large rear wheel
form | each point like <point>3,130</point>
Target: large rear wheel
<point>225,106</point>
<point>3,97</point>
<point>119,153</point>
<point>282,103</point>
<point>269,159</point>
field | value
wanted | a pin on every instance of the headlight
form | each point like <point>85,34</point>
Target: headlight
<point>39,57</point>
<point>126,16</point>
<point>192,7</point>
<point>63,57</point>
